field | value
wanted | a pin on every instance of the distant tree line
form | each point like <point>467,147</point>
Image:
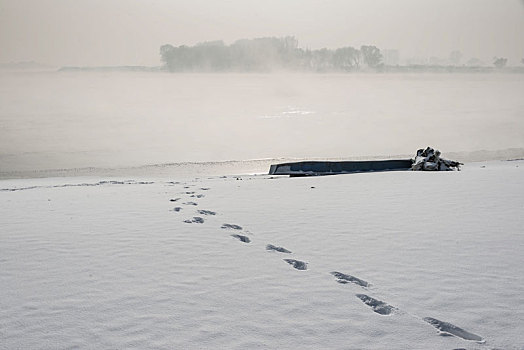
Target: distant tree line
<point>500,62</point>
<point>265,54</point>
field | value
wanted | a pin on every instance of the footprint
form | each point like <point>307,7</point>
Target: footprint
<point>244,239</point>
<point>190,203</point>
<point>197,196</point>
<point>378,306</point>
<point>231,227</point>
<point>189,192</point>
<point>278,249</point>
<point>177,208</point>
<point>297,264</point>
<point>446,328</point>
<point>206,212</point>
<point>194,220</point>
<point>205,188</point>
<point>343,278</point>
<point>174,199</point>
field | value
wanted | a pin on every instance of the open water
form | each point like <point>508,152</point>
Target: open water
<point>71,120</point>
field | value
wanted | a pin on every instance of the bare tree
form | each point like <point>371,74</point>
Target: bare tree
<point>500,62</point>
<point>265,54</point>
<point>346,58</point>
<point>371,55</point>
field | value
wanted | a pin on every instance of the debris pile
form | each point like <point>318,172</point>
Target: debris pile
<point>429,160</point>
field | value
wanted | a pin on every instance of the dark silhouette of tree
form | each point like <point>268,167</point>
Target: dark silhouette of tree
<point>264,54</point>
<point>167,56</point>
<point>500,62</point>
<point>346,58</point>
<point>371,55</point>
<point>321,60</point>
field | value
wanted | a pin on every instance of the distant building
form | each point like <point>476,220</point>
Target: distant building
<point>391,57</point>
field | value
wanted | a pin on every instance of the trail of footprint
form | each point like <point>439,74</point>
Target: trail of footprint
<point>242,238</point>
<point>297,264</point>
<point>194,220</point>
<point>231,227</point>
<point>278,249</point>
<point>446,328</point>
<point>343,278</point>
<point>206,212</point>
<point>377,306</point>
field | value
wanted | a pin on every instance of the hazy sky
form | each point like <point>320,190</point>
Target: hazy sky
<point>130,32</point>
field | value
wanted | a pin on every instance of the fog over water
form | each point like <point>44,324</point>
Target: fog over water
<point>53,120</point>
<point>130,32</point>
<point>136,207</point>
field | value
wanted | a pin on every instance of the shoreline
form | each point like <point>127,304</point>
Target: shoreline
<point>236,167</point>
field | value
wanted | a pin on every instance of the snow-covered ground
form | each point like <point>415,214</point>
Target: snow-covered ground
<point>111,263</point>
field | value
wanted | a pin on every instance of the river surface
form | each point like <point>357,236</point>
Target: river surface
<point>67,120</point>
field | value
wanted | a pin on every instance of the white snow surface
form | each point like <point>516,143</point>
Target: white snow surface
<point>107,263</point>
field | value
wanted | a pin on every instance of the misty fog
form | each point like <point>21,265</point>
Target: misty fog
<point>56,120</point>
<point>130,32</point>
<point>354,96</point>
<point>145,149</point>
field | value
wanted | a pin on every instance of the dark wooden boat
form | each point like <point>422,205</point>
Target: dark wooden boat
<point>318,168</point>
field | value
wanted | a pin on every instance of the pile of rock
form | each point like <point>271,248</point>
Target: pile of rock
<point>429,160</point>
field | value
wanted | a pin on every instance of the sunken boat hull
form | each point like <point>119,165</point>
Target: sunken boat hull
<point>318,168</point>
